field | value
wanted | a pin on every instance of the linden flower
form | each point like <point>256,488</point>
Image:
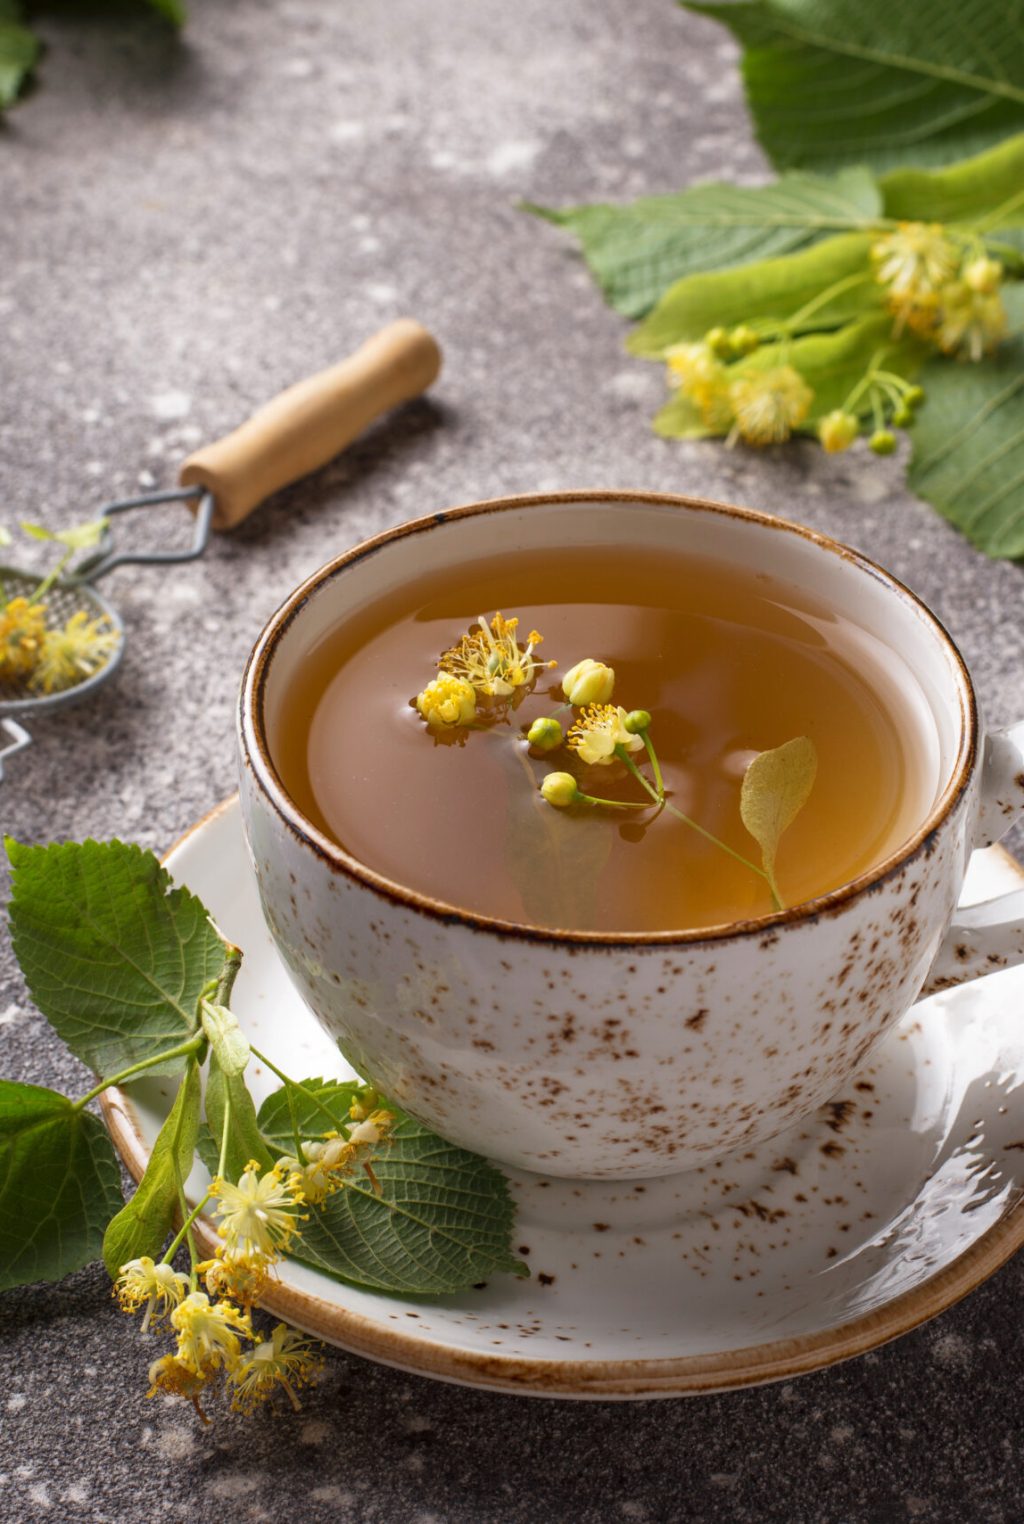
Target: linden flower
<point>599,730</point>
<point>325,1164</point>
<point>702,378</point>
<point>241,1276</point>
<point>490,659</point>
<point>769,404</point>
<point>973,322</point>
<point>589,682</point>
<point>837,431</point>
<point>447,701</point>
<point>208,1333</point>
<point>169,1375</point>
<point>70,655</point>
<point>160,1287</point>
<point>22,631</point>
<point>914,261</point>
<point>287,1360</point>
<point>257,1216</point>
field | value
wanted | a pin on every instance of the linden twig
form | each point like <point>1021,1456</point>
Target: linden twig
<point>314,1100</point>
<point>192,1045</point>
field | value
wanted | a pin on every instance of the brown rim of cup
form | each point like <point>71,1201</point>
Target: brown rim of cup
<point>256,752</point>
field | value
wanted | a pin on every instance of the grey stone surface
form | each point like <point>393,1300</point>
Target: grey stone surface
<point>186,228</point>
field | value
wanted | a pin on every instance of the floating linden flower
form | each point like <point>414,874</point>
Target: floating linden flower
<point>599,730</point>
<point>447,701</point>
<point>490,659</point>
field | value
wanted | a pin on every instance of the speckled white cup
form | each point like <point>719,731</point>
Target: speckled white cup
<point>607,1056</point>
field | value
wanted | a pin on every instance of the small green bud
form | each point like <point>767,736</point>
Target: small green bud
<point>637,721</point>
<point>882,441</point>
<point>983,275</point>
<point>744,340</point>
<point>913,395</point>
<point>903,416</point>
<point>717,341</point>
<point>837,430</point>
<point>559,789</point>
<point>545,734</point>
<point>589,682</point>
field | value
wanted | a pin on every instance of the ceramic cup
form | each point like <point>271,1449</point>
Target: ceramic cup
<point>608,1056</point>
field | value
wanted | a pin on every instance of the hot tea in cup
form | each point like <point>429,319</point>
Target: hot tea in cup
<point>602,978</point>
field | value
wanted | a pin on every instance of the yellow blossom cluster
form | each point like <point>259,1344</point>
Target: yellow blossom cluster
<point>936,290</point>
<point>486,662</point>
<point>760,406</point>
<point>49,658</point>
<point>214,1338</point>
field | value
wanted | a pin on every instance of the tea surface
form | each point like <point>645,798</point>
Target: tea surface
<point>727,662</point>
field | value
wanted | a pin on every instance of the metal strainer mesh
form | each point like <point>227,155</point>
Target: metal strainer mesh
<point>62,601</point>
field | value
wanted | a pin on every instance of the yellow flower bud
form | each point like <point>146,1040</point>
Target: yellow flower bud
<point>837,431</point>
<point>559,789</point>
<point>545,734</point>
<point>589,682</point>
<point>447,701</point>
<point>983,275</point>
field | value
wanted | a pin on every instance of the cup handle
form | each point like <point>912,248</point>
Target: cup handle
<point>986,937</point>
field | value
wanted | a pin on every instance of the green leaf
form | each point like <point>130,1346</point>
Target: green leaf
<point>636,251</point>
<point>59,1185</point>
<point>310,1107</point>
<point>113,955</point>
<point>776,786</point>
<point>245,1141</point>
<point>19,52</point>
<point>145,1221</point>
<point>968,445</point>
<point>834,82</point>
<point>171,10</point>
<point>76,537</point>
<point>772,288</point>
<point>831,364</point>
<point>963,192</point>
<point>443,1221</point>
<point>221,1029</point>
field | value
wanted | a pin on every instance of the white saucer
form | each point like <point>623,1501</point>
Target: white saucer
<point>885,1208</point>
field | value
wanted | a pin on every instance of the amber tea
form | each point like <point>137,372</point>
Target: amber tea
<point>452,800</point>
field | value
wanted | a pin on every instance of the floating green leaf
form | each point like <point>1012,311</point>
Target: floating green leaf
<point>637,250</point>
<point>776,786</point>
<point>308,1107</point>
<point>773,288</point>
<point>145,1221</point>
<point>834,82</point>
<point>114,956</point>
<point>59,1185</point>
<point>968,447</point>
<point>442,1222</point>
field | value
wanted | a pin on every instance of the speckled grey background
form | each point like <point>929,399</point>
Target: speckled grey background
<point>188,227</point>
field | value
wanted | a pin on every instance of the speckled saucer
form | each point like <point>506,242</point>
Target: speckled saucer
<point>890,1204</point>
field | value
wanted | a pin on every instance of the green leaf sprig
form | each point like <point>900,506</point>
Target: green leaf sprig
<point>134,977</point>
<point>840,305</point>
<point>20,47</point>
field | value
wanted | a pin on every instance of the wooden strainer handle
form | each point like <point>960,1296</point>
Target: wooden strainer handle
<point>308,424</point>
